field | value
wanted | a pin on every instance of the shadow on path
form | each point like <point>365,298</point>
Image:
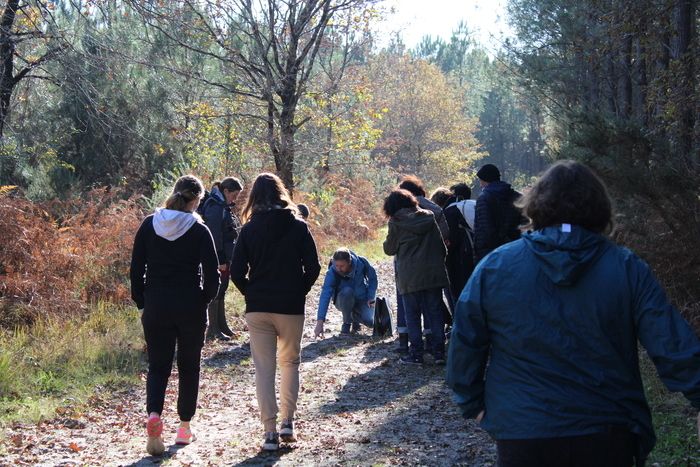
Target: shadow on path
<point>157,460</point>
<point>232,355</point>
<point>322,347</point>
<point>382,385</point>
<point>265,457</point>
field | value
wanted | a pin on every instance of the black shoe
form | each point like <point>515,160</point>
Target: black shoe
<point>272,441</point>
<point>345,329</point>
<point>439,359</point>
<point>411,359</point>
<point>355,328</point>
<point>287,431</point>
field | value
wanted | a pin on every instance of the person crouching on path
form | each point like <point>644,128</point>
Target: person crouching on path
<point>557,315</point>
<point>275,263</point>
<point>173,254</point>
<point>415,239</point>
<point>351,282</point>
<point>224,226</point>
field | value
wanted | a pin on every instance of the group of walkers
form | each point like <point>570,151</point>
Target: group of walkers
<point>543,325</point>
<point>436,243</point>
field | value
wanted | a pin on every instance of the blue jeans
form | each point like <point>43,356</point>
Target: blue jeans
<point>401,317</point>
<point>427,303</point>
<point>354,310</point>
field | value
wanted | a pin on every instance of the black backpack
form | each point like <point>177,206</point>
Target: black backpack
<point>382,319</point>
<point>509,218</point>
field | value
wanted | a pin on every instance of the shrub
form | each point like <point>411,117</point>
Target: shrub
<point>57,257</point>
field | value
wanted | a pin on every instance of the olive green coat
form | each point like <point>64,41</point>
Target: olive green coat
<point>415,239</point>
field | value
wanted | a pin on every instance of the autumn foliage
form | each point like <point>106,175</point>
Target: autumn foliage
<point>58,257</point>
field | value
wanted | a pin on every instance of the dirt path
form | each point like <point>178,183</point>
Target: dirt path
<point>357,406</point>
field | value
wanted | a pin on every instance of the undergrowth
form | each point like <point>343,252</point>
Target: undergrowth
<point>674,421</point>
<point>57,362</point>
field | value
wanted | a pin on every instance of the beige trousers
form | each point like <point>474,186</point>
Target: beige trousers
<point>268,332</point>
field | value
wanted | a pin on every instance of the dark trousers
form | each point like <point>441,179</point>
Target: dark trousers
<point>429,304</point>
<point>616,448</point>
<point>164,329</point>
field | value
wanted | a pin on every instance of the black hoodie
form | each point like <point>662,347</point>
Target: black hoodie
<point>275,263</point>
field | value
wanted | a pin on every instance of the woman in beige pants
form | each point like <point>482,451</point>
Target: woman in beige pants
<point>275,263</point>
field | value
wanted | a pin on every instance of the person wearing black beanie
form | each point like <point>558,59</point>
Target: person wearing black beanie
<point>496,219</point>
<point>489,173</point>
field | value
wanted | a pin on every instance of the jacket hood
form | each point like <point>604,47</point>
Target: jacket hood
<point>217,195</point>
<point>416,221</point>
<point>274,224</point>
<point>354,260</point>
<point>171,224</point>
<point>565,252</point>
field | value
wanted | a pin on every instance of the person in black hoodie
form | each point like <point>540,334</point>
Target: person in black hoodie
<point>224,225</point>
<point>275,263</point>
<point>174,275</point>
<point>496,219</point>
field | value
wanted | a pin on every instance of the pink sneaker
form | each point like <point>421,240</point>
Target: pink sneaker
<point>184,436</point>
<point>154,428</point>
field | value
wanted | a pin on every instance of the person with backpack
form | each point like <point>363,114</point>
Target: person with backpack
<point>275,264</point>
<point>496,219</point>
<point>351,283</point>
<point>219,215</point>
<point>544,350</point>
<point>174,275</point>
<point>459,213</point>
<point>415,241</point>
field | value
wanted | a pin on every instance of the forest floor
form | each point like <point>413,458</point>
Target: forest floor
<point>357,406</point>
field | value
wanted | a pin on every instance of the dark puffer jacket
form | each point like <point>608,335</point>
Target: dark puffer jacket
<point>415,239</point>
<point>497,220</point>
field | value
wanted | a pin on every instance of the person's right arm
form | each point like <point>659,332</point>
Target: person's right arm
<point>137,271</point>
<point>469,349</point>
<point>329,284</point>
<point>391,244</point>
<point>210,266</point>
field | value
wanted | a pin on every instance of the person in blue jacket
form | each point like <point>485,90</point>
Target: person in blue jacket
<point>351,283</point>
<point>544,345</point>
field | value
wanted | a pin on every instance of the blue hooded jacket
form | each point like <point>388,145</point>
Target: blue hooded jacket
<point>559,314</point>
<point>362,278</point>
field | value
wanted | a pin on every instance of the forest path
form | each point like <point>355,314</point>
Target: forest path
<point>357,406</point>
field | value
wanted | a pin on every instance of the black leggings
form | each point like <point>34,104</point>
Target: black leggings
<point>164,329</point>
<point>615,448</point>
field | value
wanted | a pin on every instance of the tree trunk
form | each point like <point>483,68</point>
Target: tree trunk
<point>7,51</point>
<point>683,21</point>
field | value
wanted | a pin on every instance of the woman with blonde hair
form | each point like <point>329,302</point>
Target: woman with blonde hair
<point>275,263</point>
<point>174,275</point>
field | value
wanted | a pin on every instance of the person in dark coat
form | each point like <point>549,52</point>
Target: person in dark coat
<point>275,263</point>
<point>544,347</point>
<point>415,240</point>
<point>223,222</point>
<point>174,275</point>
<point>415,186</point>
<point>496,219</point>
<point>459,213</point>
